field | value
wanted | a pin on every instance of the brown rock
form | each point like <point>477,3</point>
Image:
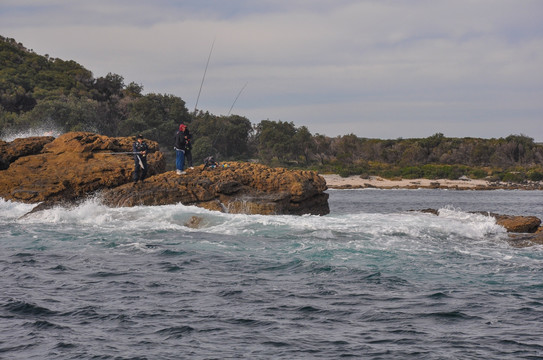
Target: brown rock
<point>195,222</point>
<point>525,240</point>
<point>518,224</point>
<point>73,165</point>
<point>236,188</point>
<point>9,152</point>
<point>80,164</point>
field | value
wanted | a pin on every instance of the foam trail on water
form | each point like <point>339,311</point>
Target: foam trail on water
<point>91,214</point>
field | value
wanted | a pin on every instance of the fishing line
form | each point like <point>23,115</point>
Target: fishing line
<point>222,122</point>
<point>203,77</point>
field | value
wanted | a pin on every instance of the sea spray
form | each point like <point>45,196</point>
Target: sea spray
<point>47,128</point>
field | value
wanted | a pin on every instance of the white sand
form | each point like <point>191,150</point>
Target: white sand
<point>336,181</point>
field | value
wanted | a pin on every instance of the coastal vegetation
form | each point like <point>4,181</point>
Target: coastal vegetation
<point>42,92</point>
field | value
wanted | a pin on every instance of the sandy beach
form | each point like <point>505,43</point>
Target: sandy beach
<point>356,182</point>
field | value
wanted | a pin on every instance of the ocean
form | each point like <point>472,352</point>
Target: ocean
<point>371,280</point>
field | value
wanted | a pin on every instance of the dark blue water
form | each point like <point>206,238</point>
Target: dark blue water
<point>371,280</point>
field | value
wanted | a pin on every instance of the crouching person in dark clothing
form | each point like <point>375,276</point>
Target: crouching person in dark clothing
<point>140,150</point>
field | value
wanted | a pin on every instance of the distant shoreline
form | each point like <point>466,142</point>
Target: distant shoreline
<point>334,181</point>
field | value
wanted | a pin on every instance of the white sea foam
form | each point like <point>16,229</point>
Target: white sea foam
<point>92,213</point>
<point>475,224</point>
<point>11,210</point>
<point>392,228</point>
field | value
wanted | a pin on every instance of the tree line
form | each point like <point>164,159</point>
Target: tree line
<point>38,90</point>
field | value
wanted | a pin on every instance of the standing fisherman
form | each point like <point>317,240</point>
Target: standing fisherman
<point>140,149</point>
<point>179,147</point>
<point>188,148</point>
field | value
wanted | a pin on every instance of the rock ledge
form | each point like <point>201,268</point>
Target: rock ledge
<point>76,165</point>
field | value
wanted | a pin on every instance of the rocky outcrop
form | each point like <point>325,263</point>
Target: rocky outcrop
<point>79,164</point>
<point>71,167</point>
<point>9,152</point>
<point>518,224</point>
<point>234,188</point>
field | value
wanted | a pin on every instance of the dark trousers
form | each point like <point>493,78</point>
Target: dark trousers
<point>188,158</point>
<point>139,172</point>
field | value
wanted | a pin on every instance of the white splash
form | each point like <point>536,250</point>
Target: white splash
<point>394,228</point>
<point>42,130</point>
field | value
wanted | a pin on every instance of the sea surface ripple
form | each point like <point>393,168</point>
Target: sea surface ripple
<point>370,280</point>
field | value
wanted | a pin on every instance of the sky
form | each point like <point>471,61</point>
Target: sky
<point>383,69</point>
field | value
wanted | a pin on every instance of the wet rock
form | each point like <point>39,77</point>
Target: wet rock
<point>80,164</point>
<point>195,222</point>
<point>525,240</point>
<point>518,224</point>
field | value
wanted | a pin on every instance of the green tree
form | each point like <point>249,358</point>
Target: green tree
<point>322,147</point>
<point>303,144</point>
<point>274,140</point>
<point>224,137</point>
<point>347,148</point>
<point>156,117</point>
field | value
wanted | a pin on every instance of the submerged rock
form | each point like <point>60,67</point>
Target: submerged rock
<point>525,240</point>
<point>80,164</point>
<point>195,222</point>
<point>523,230</point>
<point>512,223</point>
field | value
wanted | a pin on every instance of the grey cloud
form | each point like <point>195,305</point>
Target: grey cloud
<point>377,68</point>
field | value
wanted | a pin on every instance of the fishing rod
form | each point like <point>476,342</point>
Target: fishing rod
<point>236,99</point>
<point>119,153</point>
<point>128,152</point>
<point>229,111</point>
<point>203,77</point>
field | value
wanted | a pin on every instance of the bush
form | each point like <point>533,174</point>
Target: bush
<point>478,173</point>
<point>412,172</point>
<point>514,177</point>
<point>535,175</point>
<point>346,171</point>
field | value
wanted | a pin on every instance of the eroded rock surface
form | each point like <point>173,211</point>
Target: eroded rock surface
<point>72,166</point>
<point>79,164</point>
<point>236,188</point>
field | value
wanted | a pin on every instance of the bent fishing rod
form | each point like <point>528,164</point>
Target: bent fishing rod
<point>203,77</point>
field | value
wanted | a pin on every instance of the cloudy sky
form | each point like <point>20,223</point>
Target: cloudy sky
<point>375,68</point>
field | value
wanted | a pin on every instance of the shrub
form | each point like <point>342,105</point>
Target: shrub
<point>477,173</point>
<point>535,175</point>
<point>514,177</point>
